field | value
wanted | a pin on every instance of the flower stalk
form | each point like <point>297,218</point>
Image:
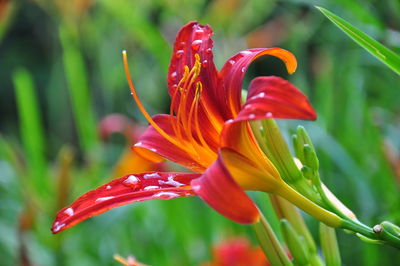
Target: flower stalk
<point>270,243</point>
<point>329,245</point>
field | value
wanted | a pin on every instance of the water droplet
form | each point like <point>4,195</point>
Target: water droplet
<point>199,30</point>
<point>57,227</point>
<point>153,149</point>
<point>132,180</point>
<point>104,199</point>
<point>179,53</point>
<point>208,50</point>
<point>196,44</point>
<point>260,95</point>
<point>196,187</point>
<point>248,107</point>
<point>232,62</point>
<point>170,182</point>
<point>108,187</point>
<point>269,114</point>
<point>243,69</point>
<point>173,75</point>
<point>252,116</point>
<point>69,211</point>
<point>138,144</point>
<point>152,175</point>
<point>151,187</point>
<point>229,121</point>
<point>245,52</point>
<point>166,195</point>
<point>182,43</point>
<point>205,62</point>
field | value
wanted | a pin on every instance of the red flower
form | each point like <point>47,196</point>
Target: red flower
<point>237,252</point>
<point>206,131</point>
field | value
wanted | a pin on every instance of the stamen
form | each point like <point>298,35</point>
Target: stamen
<point>140,105</point>
<point>199,89</point>
<point>187,80</point>
<point>175,126</point>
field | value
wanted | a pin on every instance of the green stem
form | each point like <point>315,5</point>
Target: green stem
<point>358,227</point>
<point>270,244</point>
<point>329,245</point>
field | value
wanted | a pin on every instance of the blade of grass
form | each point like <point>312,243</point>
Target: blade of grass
<point>31,128</point>
<point>378,50</point>
<point>76,76</point>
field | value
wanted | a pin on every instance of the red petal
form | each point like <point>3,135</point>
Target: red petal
<point>124,190</point>
<point>153,141</point>
<point>235,69</point>
<point>217,188</point>
<point>193,39</point>
<point>274,97</point>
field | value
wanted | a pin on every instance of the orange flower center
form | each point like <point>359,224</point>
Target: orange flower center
<point>187,133</point>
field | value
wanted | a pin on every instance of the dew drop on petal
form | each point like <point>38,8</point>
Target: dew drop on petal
<point>170,182</point>
<point>232,62</point>
<point>104,199</point>
<point>151,188</point>
<point>243,69</point>
<point>138,144</point>
<point>173,75</point>
<point>69,211</point>
<point>199,30</point>
<point>252,116</point>
<point>269,114</point>
<point>229,121</point>
<point>179,53</point>
<point>245,53</point>
<point>196,44</point>
<point>208,50</point>
<point>261,95</point>
<point>196,188</point>
<point>150,176</point>
<point>57,227</point>
<point>108,187</point>
<point>166,195</point>
<point>205,62</point>
<point>132,180</point>
<point>153,149</point>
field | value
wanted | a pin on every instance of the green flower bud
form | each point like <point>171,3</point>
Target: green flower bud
<point>295,243</point>
<point>310,157</point>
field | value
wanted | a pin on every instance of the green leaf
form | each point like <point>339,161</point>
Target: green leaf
<point>77,79</point>
<point>378,50</point>
<point>31,127</point>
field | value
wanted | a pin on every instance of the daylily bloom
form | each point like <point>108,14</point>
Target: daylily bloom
<point>207,131</point>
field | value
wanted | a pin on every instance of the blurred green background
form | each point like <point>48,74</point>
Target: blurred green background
<point>61,72</point>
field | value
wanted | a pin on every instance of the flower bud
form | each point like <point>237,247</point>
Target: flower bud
<point>295,243</point>
<point>310,157</point>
